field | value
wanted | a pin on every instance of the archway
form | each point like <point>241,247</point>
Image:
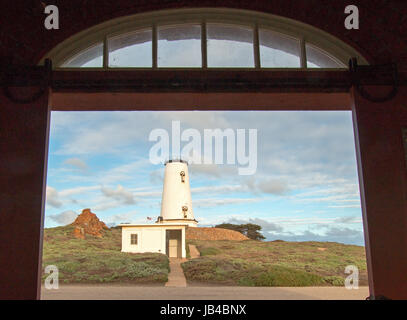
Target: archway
<point>237,89</point>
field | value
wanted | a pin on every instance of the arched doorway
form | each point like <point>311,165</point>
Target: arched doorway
<point>223,88</point>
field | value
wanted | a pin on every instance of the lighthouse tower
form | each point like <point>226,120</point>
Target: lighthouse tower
<point>176,204</point>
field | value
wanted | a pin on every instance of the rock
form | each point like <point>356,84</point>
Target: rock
<point>79,233</point>
<point>88,223</point>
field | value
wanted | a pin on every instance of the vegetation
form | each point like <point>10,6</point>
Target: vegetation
<point>250,230</point>
<point>222,262</point>
<point>275,263</point>
<point>100,260</point>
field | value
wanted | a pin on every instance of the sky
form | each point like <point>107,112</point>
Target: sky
<point>305,186</point>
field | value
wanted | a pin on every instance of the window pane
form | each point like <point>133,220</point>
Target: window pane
<point>133,239</point>
<point>278,50</point>
<point>131,50</point>
<point>317,58</point>
<point>179,46</point>
<point>229,46</point>
<point>89,58</point>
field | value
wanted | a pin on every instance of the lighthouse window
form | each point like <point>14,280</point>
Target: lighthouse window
<point>134,239</point>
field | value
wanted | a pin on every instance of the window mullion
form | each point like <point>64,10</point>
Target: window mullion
<point>155,46</point>
<point>303,54</point>
<point>256,47</point>
<point>204,44</point>
<point>105,54</point>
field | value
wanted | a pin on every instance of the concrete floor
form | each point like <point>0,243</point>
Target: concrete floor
<point>99,292</point>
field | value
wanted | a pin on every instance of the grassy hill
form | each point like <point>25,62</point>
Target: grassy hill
<point>222,262</point>
<point>275,263</point>
<point>100,260</point>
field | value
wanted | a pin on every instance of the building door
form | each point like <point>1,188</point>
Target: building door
<point>174,242</point>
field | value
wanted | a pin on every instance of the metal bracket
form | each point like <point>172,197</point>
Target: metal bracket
<point>9,78</point>
<point>355,69</point>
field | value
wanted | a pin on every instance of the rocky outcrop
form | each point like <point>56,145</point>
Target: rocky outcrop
<point>87,223</point>
<point>197,233</point>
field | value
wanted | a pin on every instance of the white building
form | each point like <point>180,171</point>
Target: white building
<point>167,235</point>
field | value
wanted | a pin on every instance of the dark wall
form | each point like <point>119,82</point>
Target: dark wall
<point>382,36</point>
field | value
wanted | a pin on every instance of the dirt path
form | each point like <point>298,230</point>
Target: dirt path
<point>176,277</point>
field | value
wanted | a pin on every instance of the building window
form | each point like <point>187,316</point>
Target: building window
<point>179,46</point>
<point>134,239</point>
<point>132,50</point>
<point>213,38</point>
<point>89,58</point>
<point>230,46</point>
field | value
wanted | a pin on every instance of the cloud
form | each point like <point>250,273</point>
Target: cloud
<point>52,197</point>
<point>119,218</point>
<point>123,172</point>
<point>97,133</point>
<point>221,202</point>
<point>77,163</point>
<point>64,218</point>
<point>252,185</point>
<point>346,206</point>
<point>192,119</point>
<point>120,194</point>
<point>219,189</point>
<point>307,159</point>
<point>212,170</point>
<point>266,226</point>
<point>77,190</point>
<point>267,185</point>
<point>273,187</point>
<point>331,234</point>
<point>349,219</point>
<point>105,205</point>
<point>277,229</point>
<point>157,176</point>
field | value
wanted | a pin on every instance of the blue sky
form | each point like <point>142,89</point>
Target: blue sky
<point>305,186</point>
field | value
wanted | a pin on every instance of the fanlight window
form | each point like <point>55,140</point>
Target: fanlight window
<point>89,58</point>
<point>317,58</point>
<point>179,46</point>
<point>199,42</point>
<point>278,50</point>
<point>131,50</point>
<point>229,46</point>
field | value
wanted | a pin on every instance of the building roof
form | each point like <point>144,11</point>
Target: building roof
<point>152,225</point>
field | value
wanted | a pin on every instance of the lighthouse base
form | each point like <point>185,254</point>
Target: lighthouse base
<point>188,222</point>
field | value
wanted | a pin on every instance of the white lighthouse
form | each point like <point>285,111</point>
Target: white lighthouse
<point>167,234</point>
<point>176,205</point>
